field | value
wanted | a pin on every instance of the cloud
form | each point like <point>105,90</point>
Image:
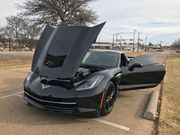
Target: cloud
<point>8,8</point>
<point>155,18</point>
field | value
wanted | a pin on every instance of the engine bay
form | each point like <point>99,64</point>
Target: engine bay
<point>81,74</point>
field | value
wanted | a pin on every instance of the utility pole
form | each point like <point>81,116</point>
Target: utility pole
<point>121,42</point>
<point>145,43</point>
<point>134,36</point>
<point>117,38</point>
<point>113,40</point>
<point>138,41</point>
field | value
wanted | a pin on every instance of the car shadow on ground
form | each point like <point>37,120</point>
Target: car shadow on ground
<point>14,110</point>
<point>141,97</point>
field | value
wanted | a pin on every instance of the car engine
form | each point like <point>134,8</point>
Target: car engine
<point>81,74</point>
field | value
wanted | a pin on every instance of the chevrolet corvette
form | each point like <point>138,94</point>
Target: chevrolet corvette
<point>69,77</point>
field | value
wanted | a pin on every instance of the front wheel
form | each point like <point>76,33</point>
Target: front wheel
<point>109,98</point>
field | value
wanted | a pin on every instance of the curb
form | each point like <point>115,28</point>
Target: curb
<point>150,112</point>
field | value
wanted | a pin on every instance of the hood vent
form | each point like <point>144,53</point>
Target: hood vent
<point>54,61</point>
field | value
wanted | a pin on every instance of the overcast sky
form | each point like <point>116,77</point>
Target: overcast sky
<point>158,19</point>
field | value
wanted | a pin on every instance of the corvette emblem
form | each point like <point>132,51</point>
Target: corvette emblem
<point>45,86</point>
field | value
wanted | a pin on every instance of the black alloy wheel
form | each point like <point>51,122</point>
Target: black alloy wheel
<point>109,98</point>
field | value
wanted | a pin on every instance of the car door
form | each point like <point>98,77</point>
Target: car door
<point>141,72</point>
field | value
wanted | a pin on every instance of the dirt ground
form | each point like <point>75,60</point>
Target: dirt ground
<point>8,59</point>
<point>170,109</point>
<point>16,117</point>
<point>15,58</point>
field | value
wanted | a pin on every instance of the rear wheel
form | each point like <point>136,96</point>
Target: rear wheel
<point>109,99</point>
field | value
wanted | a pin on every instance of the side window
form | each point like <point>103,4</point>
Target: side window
<point>124,60</point>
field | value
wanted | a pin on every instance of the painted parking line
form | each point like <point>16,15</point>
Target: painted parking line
<point>10,95</point>
<point>112,124</point>
<point>20,96</point>
<point>101,121</point>
<point>4,91</point>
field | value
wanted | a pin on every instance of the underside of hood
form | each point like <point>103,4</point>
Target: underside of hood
<point>61,50</point>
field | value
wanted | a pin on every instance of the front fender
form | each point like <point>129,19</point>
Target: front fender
<point>110,75</point>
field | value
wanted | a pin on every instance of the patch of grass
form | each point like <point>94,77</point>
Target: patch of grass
<point>133,54</point>
<point>14,61</point>
<point>170,109</point>
<point>6,61</point>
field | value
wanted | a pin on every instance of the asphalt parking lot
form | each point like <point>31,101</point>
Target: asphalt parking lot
<point>16,117</point>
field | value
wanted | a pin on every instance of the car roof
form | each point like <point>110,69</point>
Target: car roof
<point>102,50</point>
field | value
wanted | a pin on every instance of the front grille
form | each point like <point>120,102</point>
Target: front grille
<point>49,102</point>
<point>54,61</point>
<point>65,84</point>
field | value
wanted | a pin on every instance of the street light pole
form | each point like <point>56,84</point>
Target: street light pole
<point>134,36</point>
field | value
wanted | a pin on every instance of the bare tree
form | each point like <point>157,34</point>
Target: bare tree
<point>2,38</point>
<point>7,36</point>
<point>176,45</point>
<point>19,30</point>
<point>59,12</point>
<point>16,23</point>
<point>31,32</point>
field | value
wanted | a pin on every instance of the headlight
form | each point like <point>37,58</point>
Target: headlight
<point>91,83</point>
<point>29,76</point>
<point>26,81</point>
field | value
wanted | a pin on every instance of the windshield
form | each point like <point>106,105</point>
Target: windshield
<point>102,59</point>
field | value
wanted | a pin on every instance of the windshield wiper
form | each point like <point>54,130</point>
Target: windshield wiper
<point>91,66</point>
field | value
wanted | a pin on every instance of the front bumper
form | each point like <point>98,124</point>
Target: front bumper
<point>63,105</point>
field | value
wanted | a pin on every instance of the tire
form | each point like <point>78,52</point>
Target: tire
<point>109,98</point>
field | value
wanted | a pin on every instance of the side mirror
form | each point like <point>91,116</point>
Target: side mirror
<point>135,65</point>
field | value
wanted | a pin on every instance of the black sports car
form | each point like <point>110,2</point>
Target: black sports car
<point>67,76</point>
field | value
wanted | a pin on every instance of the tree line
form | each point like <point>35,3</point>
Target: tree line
<point>176,45</point>
<point>24,29</point>
<point>18,32</point>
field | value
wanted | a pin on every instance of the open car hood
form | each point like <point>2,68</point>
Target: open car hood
<point>61,50</point>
